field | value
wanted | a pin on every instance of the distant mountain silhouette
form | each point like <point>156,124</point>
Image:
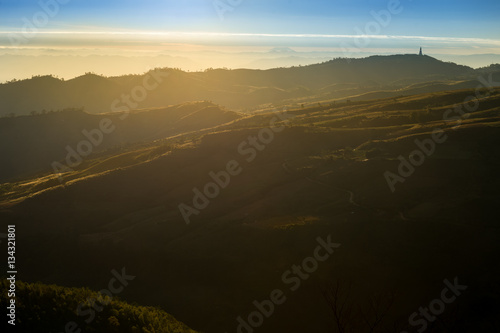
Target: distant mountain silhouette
<point>282,50</point>
<point>285,60</point>
<point>238,89</point>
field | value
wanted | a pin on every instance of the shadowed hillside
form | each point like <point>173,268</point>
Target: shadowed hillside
<point>32,143</point>
<point>322,173</point>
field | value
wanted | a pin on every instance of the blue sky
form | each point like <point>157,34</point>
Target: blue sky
<point>443,18</point>
<point>440,26</point>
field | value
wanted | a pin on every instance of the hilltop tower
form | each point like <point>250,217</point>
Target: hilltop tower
<point>420,54</point>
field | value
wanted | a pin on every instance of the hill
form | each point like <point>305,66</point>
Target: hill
<point>240,89</point>
<point>323,172</point>
<point>32,144</point>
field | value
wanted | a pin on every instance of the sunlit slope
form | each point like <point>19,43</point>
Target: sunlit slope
<point>376,131</point>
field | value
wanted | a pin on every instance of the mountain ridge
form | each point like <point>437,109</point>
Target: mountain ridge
<point>237,89</point>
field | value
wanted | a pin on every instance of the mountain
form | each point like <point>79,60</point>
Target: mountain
<point>282,50</point>
<point>285,61</point>
<point>473,60</point>
<point>72,65</point>
<point>240,89</point>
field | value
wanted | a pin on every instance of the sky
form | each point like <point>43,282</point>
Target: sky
<point>347,28</point>
<point>444,18</point>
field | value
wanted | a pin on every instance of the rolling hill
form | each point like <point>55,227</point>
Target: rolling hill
<point>240,89</point>
<point>322,171</point>
<point>33,143</point>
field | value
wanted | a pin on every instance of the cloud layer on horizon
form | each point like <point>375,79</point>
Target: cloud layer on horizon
<point>154,41</point>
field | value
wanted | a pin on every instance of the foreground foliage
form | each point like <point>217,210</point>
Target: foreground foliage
<point>49,308</point>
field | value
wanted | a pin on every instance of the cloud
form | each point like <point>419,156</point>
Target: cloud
<point>145,39</point>
<point>167,34</point>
